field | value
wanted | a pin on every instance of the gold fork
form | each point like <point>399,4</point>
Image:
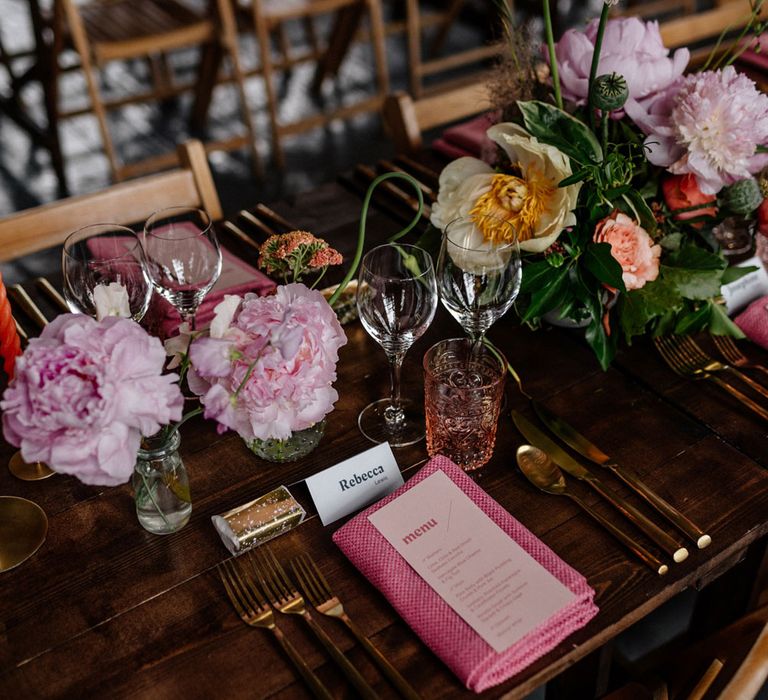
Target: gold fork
<point>682,366</point>
<point>320,596</point>
<point>729,350</point>
<point>253,609</point>
<point>286,598</point>
<point>701,360</point>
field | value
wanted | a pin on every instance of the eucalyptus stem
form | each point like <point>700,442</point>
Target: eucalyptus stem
<point>364,219</point>
<point>552,58</point>
<point>596,62</point>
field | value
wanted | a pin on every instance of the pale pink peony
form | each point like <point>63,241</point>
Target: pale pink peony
<point>632,48</point>
<point>708,126</point>
<point>632,248</point>
<point>289,343</point>
<point>85,392</point>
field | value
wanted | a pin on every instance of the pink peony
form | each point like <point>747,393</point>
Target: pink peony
<point>85,392</point>
<point>632,248</point>
<point>708,126</point>
<point>285,347</point>
<point>632,48</point>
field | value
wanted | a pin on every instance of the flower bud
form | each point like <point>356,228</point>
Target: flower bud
<point>743,197</point>
<point>609,92</point>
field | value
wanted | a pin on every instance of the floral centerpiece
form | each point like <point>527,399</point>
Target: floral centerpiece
<point>613,168</point>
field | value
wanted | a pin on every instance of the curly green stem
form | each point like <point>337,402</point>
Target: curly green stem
<point>363,222</point>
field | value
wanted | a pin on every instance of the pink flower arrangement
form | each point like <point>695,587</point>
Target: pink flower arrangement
<point>85,392</point>
<point>632,48</point>
<point>268,367</point>
<point>632,248</point>
<point>709,126</point>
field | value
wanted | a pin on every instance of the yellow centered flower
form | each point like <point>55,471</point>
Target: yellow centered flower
<point>512,205</point>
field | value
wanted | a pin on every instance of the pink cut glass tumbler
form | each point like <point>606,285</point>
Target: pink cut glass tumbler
<point>463,389</point>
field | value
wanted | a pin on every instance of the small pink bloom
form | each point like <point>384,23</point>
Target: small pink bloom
<point>632,248</point>
<point>85,392</point>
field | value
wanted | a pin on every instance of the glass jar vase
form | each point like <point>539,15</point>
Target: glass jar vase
<point>161,485</point>
<point>298,445</point>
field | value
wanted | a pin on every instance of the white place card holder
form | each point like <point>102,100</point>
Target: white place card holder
<point>354,483</point>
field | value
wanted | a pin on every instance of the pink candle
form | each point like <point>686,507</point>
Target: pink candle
<point>10,343</point>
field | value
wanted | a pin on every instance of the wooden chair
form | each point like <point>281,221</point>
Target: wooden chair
<point>268,16</point>
<point>407,119</point>
<point>705,27</point>
<point>125,203</point>
<point>102,31</point>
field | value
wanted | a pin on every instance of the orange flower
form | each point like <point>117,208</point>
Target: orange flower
<point>681,192</point>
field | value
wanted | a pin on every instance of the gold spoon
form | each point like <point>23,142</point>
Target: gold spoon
<point>543,473</point>
<point>23,526</point>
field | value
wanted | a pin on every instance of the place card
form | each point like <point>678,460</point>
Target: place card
<point>354,483</point>
<point>491,582</point>
<point>747,288</point>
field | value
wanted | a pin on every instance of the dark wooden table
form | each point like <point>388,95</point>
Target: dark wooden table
<point>106,609</point>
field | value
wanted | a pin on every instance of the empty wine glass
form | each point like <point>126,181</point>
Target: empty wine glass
<point>183,257</point>
<point>396,301</point>
<point>102,254</point>
<point>478,279</point>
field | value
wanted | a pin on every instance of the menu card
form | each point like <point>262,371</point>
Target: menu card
<point>491,582</point>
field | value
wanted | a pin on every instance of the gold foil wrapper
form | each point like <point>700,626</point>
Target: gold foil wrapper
<point>259,521</point>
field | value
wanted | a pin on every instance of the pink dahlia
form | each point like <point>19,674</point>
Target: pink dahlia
<point>268,371</point>
<point>85,392</point>
<point>710,127</point>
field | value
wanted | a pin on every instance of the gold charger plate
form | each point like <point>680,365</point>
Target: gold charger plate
<point>23,527</point>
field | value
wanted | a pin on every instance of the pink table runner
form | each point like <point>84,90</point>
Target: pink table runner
<point>472,659</point>
<point>754,321</point>
<point>469,139</point>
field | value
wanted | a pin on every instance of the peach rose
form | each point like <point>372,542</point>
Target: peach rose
<point>632,248</point>
<point>681,192</point>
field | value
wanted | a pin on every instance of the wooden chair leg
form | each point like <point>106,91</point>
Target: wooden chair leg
<point>208,73</point>
<point>229,39</point>
<point>262,37</point>
<point>413,33</point>
<point>378,41</point>
<point>345,25</point>
<point>445,27</point>
<point>80,41</point>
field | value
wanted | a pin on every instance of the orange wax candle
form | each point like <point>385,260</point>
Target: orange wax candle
<point>10,343</point>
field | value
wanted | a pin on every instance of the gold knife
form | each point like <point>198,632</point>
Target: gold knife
<point>587,449</point>
<point>539,439</point>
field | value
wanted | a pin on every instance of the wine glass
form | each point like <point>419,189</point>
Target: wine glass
<point>396,301</point>
<point>102,254</point>
<point>478,279</point>
<point>183,257</point>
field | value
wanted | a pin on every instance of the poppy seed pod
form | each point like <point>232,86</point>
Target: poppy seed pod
<point>609,92</point>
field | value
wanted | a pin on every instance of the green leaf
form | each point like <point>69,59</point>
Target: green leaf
<point>641,306</point>
<point>599,261</point>
<point>558,128</point>
<point>672,241</point>
<point>694,284</point>
<point>731,274</point>
<point>721,324</point>
<point>550,296</point>
<point>578,176</point>
<point>642,210</point>
<point>694,322</point>
<point>537,275</point>
<point>693,257</point>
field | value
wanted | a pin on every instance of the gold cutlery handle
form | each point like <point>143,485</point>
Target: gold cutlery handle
<point>344,663</point>
<point>733,391</point>
<point>306,672</point>
<point>29,307</point>
<point>680,521</point>
<point>384,665</point>
<point>759,388</point>
<point>637,549</point>
<point>661,538</point>
<point>53,294</point>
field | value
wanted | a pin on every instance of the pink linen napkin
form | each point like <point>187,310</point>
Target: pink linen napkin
<point>237,277</point>
<point>469,139</point>
<point>754,321</point>
<point>472,659</point>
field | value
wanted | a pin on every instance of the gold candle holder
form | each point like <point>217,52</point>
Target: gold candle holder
<point>258,521</point>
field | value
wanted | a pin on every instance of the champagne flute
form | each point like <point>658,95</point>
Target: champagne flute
<point>478,279</point>
<point>183,257</point>
<point>396,301</point>
<point>102,254</point>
